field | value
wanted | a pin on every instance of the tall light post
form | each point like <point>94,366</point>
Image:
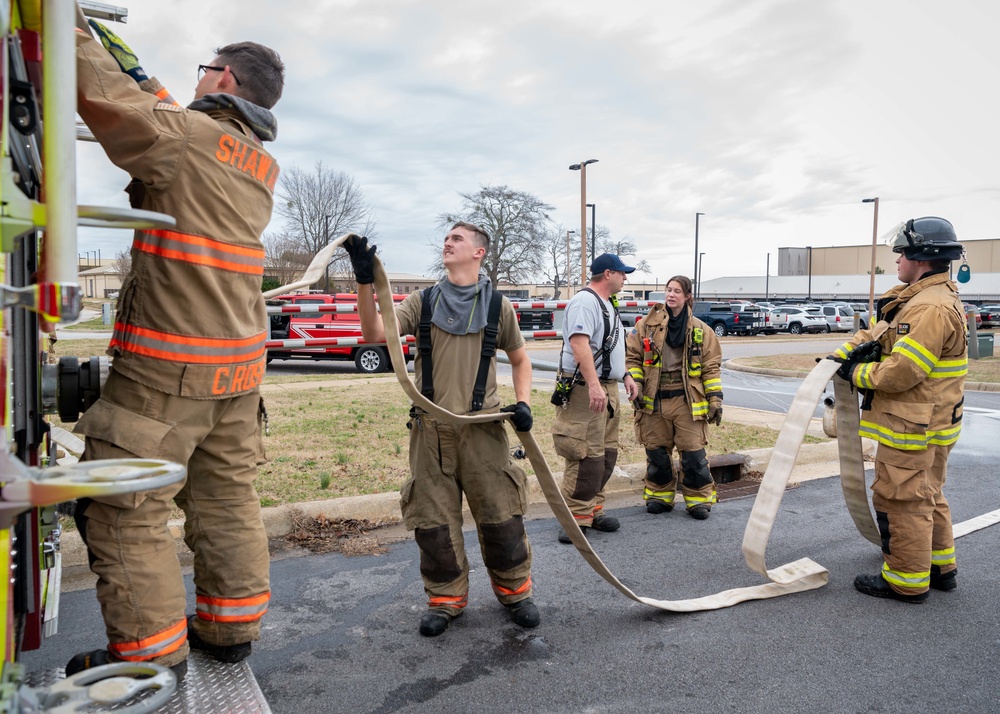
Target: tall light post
<point>810,295</point>
<point>697,291</point>
<point>593,230</point>
<point>767,277</point>
<point>582,168</point>
<point>326,242</point>
<point>696,217</point>
<point>871,283</point>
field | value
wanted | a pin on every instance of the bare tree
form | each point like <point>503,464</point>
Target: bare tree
<point>123,263</point>
<point>621,248</point>
<point>560,258</point>
<point>284,257</point>
<point>319,206</point>
<point>516,220</point>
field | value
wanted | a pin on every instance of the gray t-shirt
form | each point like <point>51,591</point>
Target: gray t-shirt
<point>584,316</point>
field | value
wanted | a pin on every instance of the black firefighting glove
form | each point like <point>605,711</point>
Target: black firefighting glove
<point>122,53</point>
<point>521,418</point>
<point>362,258</point>
<point>714,411</point>
<point>870,351</point>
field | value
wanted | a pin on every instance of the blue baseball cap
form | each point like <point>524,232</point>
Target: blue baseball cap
<point>609,261</point>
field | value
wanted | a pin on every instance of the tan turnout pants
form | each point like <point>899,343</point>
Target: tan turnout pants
<point>589,443</point>
<point>913,516</point>
<point>131,550</point>
<point>445,462</point>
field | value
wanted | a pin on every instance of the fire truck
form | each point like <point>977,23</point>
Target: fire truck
<point>325,327</point>
<point>39,464</point>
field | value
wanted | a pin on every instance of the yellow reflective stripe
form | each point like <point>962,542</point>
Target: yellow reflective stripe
<point>647,401</point>
<point>691,501</point>
<point>906,580</point>
<point>863,375</point>
<point>944,437</point>
<point>699,408</point>
<point>943,557</point>
<point>636,373</point>
<point>908,347</point>
<point>895,439</point>
<point>649,494</point>
<point>694,372</point>
<point>950,368</point>
<point>713,385</point>
<point>844,350</point>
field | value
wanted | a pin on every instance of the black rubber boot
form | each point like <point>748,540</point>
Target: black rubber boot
<point>699,512</point>
<point>948,581</point>
<point>877,586</point>
<point>230,654</point>
<point>96,658</point>
<point>434,623</point>
<point>563,538</point>
<point>524,613</point>
<point>656,507</point>
<point>605,523</point>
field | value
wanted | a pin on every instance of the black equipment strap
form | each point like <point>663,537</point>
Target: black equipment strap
<point>424,345</point>
<point>490,334</point>
<point>605,348</point>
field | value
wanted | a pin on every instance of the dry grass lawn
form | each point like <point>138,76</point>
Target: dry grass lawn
<point>980,370</point>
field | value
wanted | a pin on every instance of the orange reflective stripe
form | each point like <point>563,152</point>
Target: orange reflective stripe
<point>459,601</point>
<point>243,609</point>
<point>162,643</point>
<point>188,348</point>
<point>505,591</point>
<point>164,96</point>
<point>199,250</point>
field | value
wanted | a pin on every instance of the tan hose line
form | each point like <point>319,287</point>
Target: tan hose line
<point>797,576</point>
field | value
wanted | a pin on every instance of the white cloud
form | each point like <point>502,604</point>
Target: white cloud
<point>774,118</point>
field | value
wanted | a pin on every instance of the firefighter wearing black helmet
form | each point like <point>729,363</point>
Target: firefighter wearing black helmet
<point>911,368</point>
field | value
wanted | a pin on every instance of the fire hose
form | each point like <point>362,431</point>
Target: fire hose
<point>797,576</point>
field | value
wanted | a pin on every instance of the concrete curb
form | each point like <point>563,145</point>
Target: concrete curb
<point>814,461</point>
<point>737,366</point>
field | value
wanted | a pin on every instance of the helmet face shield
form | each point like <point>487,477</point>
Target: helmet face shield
<point>928,238</point>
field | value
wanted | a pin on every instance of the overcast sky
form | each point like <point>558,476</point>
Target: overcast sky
<point>773,118</point>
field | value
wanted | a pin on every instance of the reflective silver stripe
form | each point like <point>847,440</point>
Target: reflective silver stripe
<point>180,345</point>
<point>223,256</point>
<point>232,611</point>
<point>906,580</point>
<point>152,650</point>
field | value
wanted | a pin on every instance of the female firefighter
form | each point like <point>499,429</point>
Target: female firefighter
<point>676,360</point>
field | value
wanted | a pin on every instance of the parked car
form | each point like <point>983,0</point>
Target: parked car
<point>796,320</point>
<point>861,310</point>
<point>728,318</point>
<point>990,315</point>
<point>769,327</point>
<point>971,309</point>
<point>839,318</point>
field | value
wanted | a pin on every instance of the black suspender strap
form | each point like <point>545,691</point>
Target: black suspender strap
<point>424,345</point>
<point>605,349</point>
<point>490,334</point>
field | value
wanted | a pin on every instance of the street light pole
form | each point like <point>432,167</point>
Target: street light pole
<point>593,230</point>
<point>871,283</point>
<point>767,277</point>
<point>810,295</point>
<point>568,233</point>
<point>696,217</point>
<point>698,289</point>
<point>326,242</point>
<point>582,168</point>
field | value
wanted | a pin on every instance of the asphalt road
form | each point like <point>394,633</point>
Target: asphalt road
<point>341,633</point>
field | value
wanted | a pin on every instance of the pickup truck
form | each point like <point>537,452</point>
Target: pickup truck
<point>309,325</point>
<point>726,319</point>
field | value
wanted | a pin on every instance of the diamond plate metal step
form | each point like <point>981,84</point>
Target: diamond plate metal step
<point>210,687</point>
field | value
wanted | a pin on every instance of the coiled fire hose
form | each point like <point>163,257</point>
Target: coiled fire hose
<point>797,576</point>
